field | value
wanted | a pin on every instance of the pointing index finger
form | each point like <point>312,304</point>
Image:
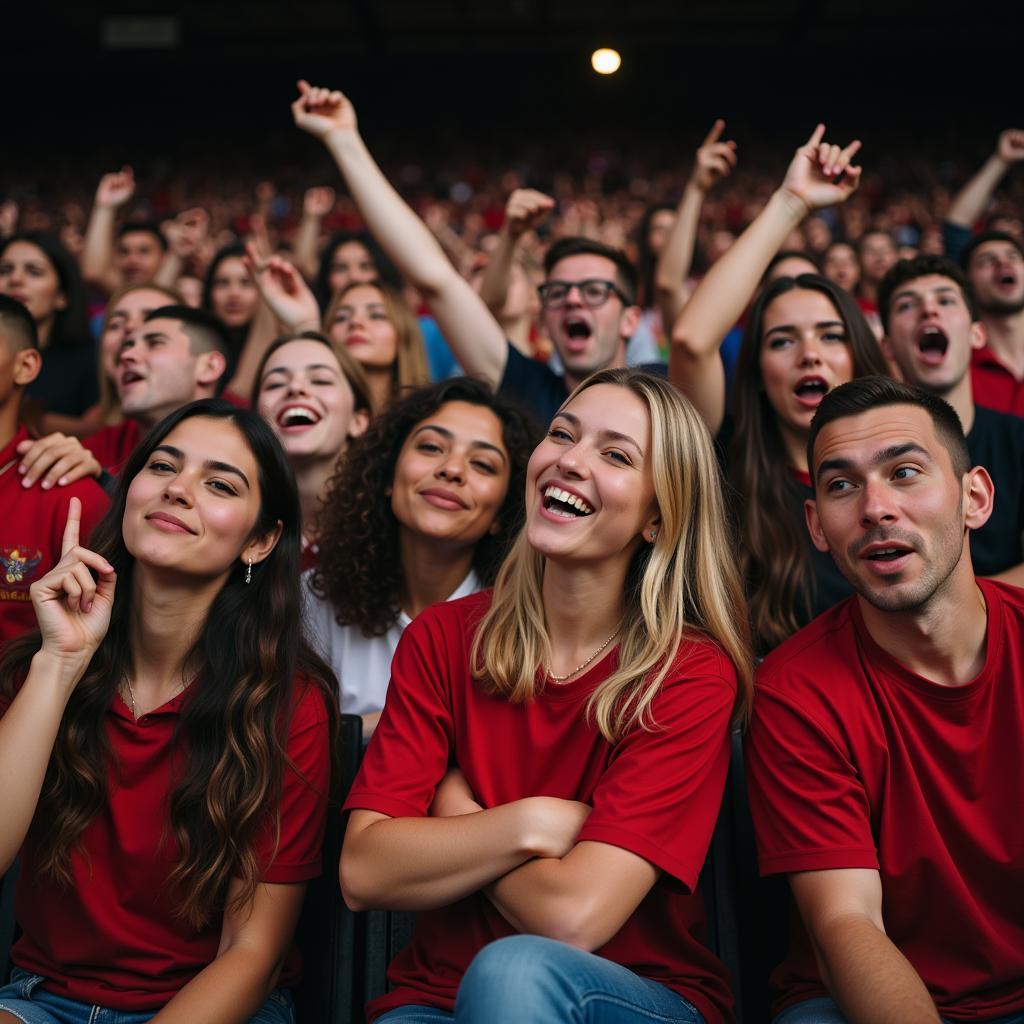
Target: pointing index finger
<point>71,528</point>
<point>817,135</point>
<point>715,134</point>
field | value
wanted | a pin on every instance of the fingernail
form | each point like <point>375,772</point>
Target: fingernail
<point>23,469</point>
<point>26,482</point>
<point>46,485</point>
<point>63,481</point>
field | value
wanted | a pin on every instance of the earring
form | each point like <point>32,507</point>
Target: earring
<point>248,572</point>
<point>654,536</point>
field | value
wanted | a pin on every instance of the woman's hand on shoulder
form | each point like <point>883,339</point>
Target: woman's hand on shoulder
<point>821,174</point>
<point>72,608</point>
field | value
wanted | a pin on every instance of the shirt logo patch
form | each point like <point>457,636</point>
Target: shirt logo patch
<point>18,564</point>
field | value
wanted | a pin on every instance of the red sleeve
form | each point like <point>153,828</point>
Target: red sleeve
<point>304,793</point>
<point>809,807</point>
<point>409,752</point>
<point>660,795</point>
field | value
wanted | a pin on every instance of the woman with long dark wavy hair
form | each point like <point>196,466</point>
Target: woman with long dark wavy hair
<point>804,336</point>
<point>166,743</point>
<point>547,772</point>
<point>423,509</point>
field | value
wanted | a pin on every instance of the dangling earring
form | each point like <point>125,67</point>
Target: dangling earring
<point>248,572</point>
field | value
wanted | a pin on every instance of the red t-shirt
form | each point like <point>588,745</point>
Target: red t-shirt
<point>994,385</point>
<point>853,761</point>
<point>113,445</point>
<point>112,938</point>
<point>32,525</point>
<point>656,794</point>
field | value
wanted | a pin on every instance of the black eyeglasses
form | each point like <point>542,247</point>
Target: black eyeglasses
<point>594,292</point>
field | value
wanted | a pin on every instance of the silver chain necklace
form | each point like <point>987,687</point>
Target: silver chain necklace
<point>583,665</point>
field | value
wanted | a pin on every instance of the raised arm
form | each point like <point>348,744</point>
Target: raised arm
<point>715,160</point>
<point>469,328</point>
<point>525,209</point>
<point>186,235</point>
<point>316,204</point>
<point>98,254</point>
<point>870,979</point>
<point>970,202</point>
<point>422,863</point>
<point>73,611</point>
<point>819,175</point>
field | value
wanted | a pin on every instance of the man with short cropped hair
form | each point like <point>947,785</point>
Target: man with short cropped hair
<point>884,757</point>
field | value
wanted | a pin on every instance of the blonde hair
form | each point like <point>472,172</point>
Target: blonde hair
<point>110,404</point>
<point>684,586</point>
<point>410,369</point>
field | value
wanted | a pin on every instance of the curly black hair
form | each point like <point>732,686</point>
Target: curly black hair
<point>360,571</point>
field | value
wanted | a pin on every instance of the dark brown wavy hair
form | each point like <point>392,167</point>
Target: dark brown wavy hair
<point>360,570</point>
<point>774,543</point>
<point>229,750</point>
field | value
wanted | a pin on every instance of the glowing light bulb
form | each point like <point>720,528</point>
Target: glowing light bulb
<point>605,61</point>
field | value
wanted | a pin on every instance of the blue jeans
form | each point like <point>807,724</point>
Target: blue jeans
<point>824,1011</point>
<point>30,1004</point>
<point>527,978</point>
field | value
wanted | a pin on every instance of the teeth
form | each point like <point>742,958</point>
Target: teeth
<point>297,415</point>
<point>568,499</point>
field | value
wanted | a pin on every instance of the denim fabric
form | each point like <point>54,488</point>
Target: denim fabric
<point>824,1011</point>
<point>528,978</point>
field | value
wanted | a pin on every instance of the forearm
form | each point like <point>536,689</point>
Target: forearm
<point>970,202</point>
<point>262,332</point>
<point>677,257</point>
<point>27,734</point>
<point>868,977</point>
<point>305,250</point>
<point>539,898</point>
<point>424,863</point>
<point>228,991</point>
<point>495,284</point>
<point>723,294</point>
<point>169,270</point>
<point>98,249</point>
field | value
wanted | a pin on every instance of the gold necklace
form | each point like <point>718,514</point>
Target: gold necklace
<point>6,466</point>
<point>583,665</point>
<point>131,694</point>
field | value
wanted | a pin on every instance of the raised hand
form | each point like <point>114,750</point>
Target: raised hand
<point>283,289</point>
<point>821,173</point>
<point>525,209</point>
<point>116,188</point>
<point>73,609</point>
<point>318,201</point>
<point>322,112</point>
<point>8,217</point>
<point>1011,145</point>
<point>715,159</point>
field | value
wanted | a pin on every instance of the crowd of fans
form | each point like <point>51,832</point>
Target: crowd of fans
<point>263,456</point>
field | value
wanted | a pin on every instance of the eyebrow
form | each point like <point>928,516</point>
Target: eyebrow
<point>819,326</point>
<point>909,293</point>
<point>155,336</point>
<point>613,435</point>
<point>444,432</point>
<point>221,467</point>
<point>894,451</point>
<point>311,366</point>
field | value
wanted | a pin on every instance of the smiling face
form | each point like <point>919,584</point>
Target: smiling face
<point>308,402</point>
<point>930,334</point>
<point>350,263</point>
<point>361,323</point>
<point>589,484</point>
<point>452,475</point>
<point>193,506</point>
<point>804,354</point>
<point>996,272</point>
<point>889,506</point>
<point>233,294</point>
<point>589,339</point>
<point>26,274</point>
<point>138,256</point>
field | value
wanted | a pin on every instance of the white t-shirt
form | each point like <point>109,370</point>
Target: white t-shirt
<point>361,663</point>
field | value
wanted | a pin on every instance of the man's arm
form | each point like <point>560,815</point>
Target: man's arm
<point>475,337</point>
<point>970,202</point>
<point>316,204</point>
<point>870,979</point>
<point>714,161</point>
<point>98,254</point>
<point>525,209</point>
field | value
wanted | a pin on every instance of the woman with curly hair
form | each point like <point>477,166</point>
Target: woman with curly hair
<point>545,779</point>
<point>166,743</point>
<point>423,509</point>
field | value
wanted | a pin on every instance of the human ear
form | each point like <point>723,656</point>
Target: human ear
<point>210,367</point>
<point>979,335</point>
<point>260,547</point>
<point>979,497</point>
<point>27,364</point>
<point>652,528</point>
<point>358,422</point>
<point>629,322</point>
<point>814,525</point>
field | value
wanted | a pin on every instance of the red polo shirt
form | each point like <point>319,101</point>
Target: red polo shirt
<point>994,385</point>
<point>113,445</point>
<point>112,938</point>
<point>31,529</point>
